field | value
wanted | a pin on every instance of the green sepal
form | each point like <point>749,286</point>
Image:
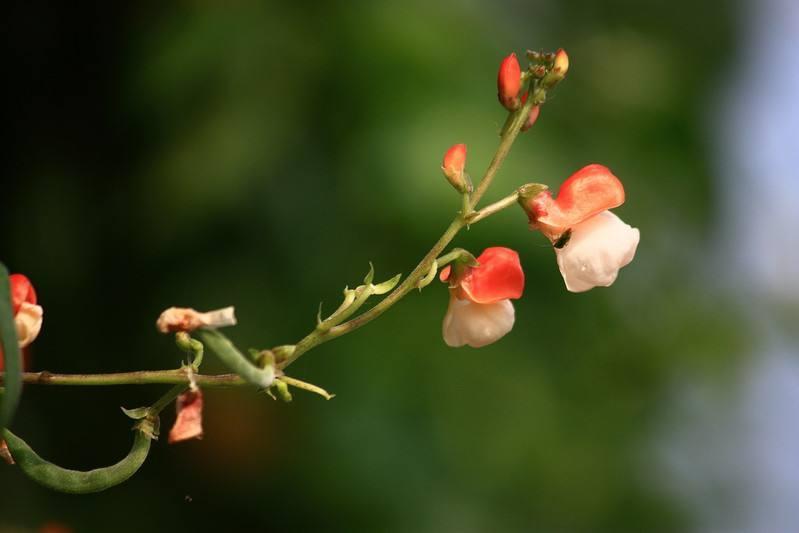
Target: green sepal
<point>136,414</point>
<point>282,390</point>
<point>370,276</point>
<point>429,277</point>
<point>386,286</point>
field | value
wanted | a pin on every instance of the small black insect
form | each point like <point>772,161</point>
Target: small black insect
<point>563,240</point>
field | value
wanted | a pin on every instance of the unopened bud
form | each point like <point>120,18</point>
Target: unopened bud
<point>532,117</point>
<point>509,82</point>
<point>453,168</point>
<point>560,66</point>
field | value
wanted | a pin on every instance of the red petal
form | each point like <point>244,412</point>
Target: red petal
<point>189,423</point>
<point>21,291</point>
<point>589,191</point>
<point>445,272</point>
<point>498,277</point>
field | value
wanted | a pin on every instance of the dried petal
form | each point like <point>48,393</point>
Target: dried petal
<point>187,319</point>
<point>189,422</point>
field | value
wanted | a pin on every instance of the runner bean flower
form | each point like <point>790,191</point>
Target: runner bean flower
<point>591,243</point>
<point>480,311</point>
<point>27,314</point>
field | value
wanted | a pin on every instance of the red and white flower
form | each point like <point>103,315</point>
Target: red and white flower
<point>591,243</point>
<point>28,321</point>
<point>480,311</point>
<point>27,314</point>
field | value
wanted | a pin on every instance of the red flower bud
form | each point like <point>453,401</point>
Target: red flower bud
<point>532,117</point>
<point>509,82</point>
<point>453,167</point>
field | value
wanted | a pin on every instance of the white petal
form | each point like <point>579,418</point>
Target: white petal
<point>28,321</point>
<point>597,249</point>
<point>476,324</point>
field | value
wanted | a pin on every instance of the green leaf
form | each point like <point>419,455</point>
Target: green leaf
<point>12,378</point>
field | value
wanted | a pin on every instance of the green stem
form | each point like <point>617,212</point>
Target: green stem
<point>509,134</point>
<point>449,257</point>
<point>144,377</point>
<point>496,207</point>
<point>168,397</point>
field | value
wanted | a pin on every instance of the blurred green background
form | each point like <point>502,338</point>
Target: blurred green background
<point>260,155</point>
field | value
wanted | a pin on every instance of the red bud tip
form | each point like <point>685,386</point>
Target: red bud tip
<point>454,165</point>
<point>509,82</point>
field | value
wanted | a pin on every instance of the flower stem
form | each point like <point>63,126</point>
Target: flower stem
<point>496,207</point>
<point>509,134</point>
<point>144,377</point>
